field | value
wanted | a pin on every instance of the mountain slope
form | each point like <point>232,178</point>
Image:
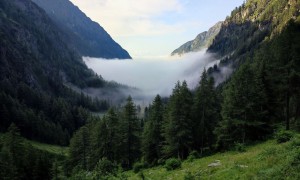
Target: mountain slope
<point>35,65</point>
<point>251,23</point>
<point>202,41</point>
<point>86,36</point>
<point>260,161</point>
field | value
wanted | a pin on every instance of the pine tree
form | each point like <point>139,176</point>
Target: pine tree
<point>79,148</point>
<point>129,135</point>
<point>152,135</point>
<point>105,138</point>
<point>205,113</point>
<point>244,109</point>
<point>178,124</point>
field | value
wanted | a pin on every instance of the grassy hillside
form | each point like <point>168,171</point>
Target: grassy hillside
<point>53,149</point>
<point>49,148</point>
<point>268,160</point>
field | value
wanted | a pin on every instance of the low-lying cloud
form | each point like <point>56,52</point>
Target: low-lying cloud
<point>154,76</point>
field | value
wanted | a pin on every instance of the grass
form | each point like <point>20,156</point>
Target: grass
<point>268,160</point>
<point>53,149</point>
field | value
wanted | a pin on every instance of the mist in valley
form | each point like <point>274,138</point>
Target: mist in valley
<point>153,76</point>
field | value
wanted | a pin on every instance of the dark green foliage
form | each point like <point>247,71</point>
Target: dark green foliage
<point>178,130</point>
<point>138,166</point>
<point>19,160</point>
<point>115,138</point>
<point>244,112</point>
<point>172,164</point>
<point>283,136</point>
<point>239,147</point>
<point>35,66</point>
<point>80,149</point>
<point>152,135</point>
<point>193,155</point>
<point>189,176</point>
<point>105,138</point>
<point>205,113</point>
<point>105,167</point>
<point>130,135</point>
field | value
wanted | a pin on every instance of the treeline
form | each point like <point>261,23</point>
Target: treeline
<point>20,160</point>
<point>262,96</point>
<point>43,117</point>
<point>173,129</point>
<point>35,64</point>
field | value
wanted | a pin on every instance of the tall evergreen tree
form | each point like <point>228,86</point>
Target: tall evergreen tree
<point>243,110</point>
<point>205,112</point>
<point>152,135</point>
<point>129,135</point>
<point>80,148</point>
<point>104,139</point>
<point>178,124</point>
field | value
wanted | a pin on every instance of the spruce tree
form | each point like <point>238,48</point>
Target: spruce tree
<point>244,113</point>
<point>129,135</point>
<point>178,125</point>
<point>205,113</point>
<point>152,135</point>
<point>80,148</point>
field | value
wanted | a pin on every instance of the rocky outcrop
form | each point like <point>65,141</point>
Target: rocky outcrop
<point>202,41</point>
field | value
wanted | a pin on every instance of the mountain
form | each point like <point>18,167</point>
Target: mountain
<point>202,41</point>
<point>81,33</point>
<point>252,23</point>
<point>42,78</point>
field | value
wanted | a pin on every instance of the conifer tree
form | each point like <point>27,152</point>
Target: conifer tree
<point>129,135</point>
<point>80,148</point>
<point>152,135</point>
<point>177,127</point>
<point>205,113</point>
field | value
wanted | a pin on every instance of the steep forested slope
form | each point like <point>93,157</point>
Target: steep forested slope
<point>252,23</point>
<point>202,41</point>
<point>35,63</point>
<point>86,36</point>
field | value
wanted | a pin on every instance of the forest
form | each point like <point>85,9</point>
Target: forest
<point>260,100</point>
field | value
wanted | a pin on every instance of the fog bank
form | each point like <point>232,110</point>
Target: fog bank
<point>156,75</point>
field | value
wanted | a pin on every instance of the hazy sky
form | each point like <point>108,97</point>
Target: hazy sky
<point>152,28</point>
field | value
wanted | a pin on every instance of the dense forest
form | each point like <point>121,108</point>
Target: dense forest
<point>260,98</point>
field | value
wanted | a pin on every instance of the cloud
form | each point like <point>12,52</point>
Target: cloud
<point>154,76</point>
<point>131,17</point>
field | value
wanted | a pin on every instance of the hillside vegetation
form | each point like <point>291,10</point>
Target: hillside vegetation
<point>268,160</point>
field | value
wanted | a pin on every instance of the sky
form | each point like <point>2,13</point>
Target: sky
<point>154,28</point>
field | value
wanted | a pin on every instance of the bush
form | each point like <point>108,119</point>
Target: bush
<point>139,166</point>
<point>105,167</point>
<point>240,147</point>
<point>189,176</point>
<point>192,156</point>
<point>283,136</point>
<point>172,164</point>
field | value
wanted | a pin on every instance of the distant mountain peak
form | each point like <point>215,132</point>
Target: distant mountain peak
<point>83,34</point>
<point>202,41</point>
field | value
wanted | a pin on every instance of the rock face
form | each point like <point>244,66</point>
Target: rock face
<point>203,40</point>
<point>81,33</point>
<point>215,164</point>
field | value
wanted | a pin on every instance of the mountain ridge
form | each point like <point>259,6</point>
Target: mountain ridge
<point>86,36</point>
<point>202,41</point>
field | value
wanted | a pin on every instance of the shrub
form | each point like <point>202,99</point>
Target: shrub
<point>106,167</point>
<point>172,164</point>
<point>240,147</point>
<point>189,176</point>
<point>139,166</point>
<point>283,136</point>
<point>192,156</point>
